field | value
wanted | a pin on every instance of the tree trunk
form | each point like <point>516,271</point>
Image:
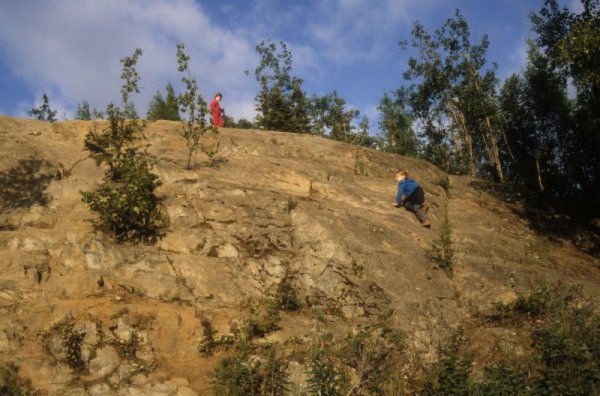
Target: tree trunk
<point>459,119</point>
<point>539,174</point>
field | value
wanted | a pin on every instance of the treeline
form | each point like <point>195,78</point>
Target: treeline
<point>536,134</point>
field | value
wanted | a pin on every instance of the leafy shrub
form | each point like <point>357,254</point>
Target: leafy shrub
<point>363,363</point>
<point>70,341</point>
<point>128,207</point>
<point>112,145</point>
<point>508,377</point>
<point>449,375</point>
<point>545,300</point>
<point>568,366</point>
<point>263,319</point>
<point>245,374</point>
<point>210,344</point>
<point>286,297</point>
<point>565,331</point>
<point>325,377</point>
<point>126,201</point>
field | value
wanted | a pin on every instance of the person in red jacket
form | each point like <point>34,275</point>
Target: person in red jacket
<point>216,111</point>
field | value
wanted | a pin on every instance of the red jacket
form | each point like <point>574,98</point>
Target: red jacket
<point>217,113</point>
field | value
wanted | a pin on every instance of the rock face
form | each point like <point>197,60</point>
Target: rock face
<point>85,316</point>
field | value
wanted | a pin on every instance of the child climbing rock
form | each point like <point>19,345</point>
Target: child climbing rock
<point>411,195</point>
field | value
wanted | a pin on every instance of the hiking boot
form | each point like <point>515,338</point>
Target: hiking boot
<point>426,223</point>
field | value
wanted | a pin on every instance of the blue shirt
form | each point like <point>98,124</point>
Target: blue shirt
<point>405,188</point>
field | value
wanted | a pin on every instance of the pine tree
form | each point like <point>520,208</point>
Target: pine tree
<point>164,108</point>
<point>43,112</point>
<point>281,104</point>
<point>83,111</point>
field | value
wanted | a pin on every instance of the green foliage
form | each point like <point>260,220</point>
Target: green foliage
<point>329,116</point>
<point>245,374</point>
<point>291,204</point>
<point>70,341</point>
<point>263,318</point>
<point>43,112</point>
<point>209,345</point>
<point>508,377</point>
<point>545,300</point>
<point>164,108</point>
<point>281,104</point>
<point>192,104</point>
<point>363,363</point>
<point>125,202</point>
<point>286,297</point>
<point>112,144</point>
<point>82,112</point>
<point>449,375</point>
<point>537,119</point>
<point>442,252</point>
<point>242,123</point>
<point>396,126</point>
<point>570,44</point>
<point>452,100</point>
<point>11,384</point>
<point>128,207</point>
<point>564,328</point>
<point>324,375</point>
<point>373,355</point>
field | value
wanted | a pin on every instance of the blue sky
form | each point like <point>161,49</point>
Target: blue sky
<point>70,49</point>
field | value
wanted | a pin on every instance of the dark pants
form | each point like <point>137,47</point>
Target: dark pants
<point>415,203</point>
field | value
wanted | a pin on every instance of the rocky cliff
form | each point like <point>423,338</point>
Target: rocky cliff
<point>81,314</point>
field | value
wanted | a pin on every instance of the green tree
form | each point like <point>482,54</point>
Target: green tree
<point>453,99</point>
<point>82,112</point>
<point>192,104</point>
<point>281,104</point>
<point>572,44</point>
<point>537,119</point>
<point>242,123</point>
<point>329,116</point>
<point>126,203</point>
<point>164,108</point>
<point>396,127</point>
<point>97,115</point>
<point>299,104</point>
<point>43,112</point>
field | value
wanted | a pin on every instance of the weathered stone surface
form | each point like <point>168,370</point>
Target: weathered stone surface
<point>101,389</point>
<point>268,207</point>
<point>106,361</point>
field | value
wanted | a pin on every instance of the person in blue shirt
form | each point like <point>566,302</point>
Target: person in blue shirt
<point>411,195</point>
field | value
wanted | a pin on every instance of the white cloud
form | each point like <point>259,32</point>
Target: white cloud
<point>352,30</point>
<point>71,50</point>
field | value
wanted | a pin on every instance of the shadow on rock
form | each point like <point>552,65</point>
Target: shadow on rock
<point>545,220</point>
<point>556,226</point>
<point>24,185</point>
